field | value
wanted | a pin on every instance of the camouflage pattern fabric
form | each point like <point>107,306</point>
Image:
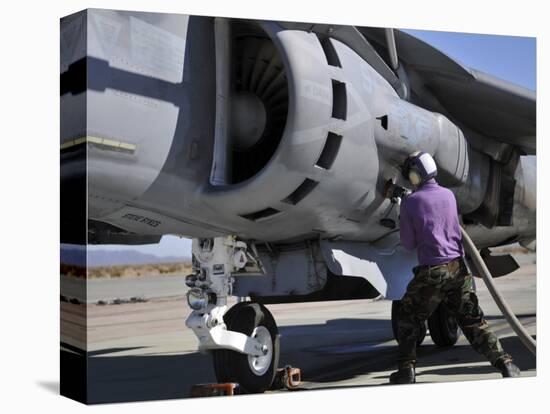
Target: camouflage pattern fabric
<point>453,284</point>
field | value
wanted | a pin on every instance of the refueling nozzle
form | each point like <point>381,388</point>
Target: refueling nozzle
<point>395,192</point>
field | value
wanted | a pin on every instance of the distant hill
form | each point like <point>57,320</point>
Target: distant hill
<point>77,257</point>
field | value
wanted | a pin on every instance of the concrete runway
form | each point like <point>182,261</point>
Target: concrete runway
<point>143,351</point>
<point>146,287</point>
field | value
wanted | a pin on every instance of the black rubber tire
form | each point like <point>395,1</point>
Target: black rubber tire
<point>443,327</point>
<point>232,366</point>
<point>394,310</point>
<point>221,357</point>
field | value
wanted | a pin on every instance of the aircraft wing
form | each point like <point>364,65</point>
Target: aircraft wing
<point>489,106</point>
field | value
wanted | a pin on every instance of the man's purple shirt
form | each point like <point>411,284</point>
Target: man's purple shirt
<point>429,222</point>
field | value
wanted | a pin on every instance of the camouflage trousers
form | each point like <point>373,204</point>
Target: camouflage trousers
<point>452,284</point>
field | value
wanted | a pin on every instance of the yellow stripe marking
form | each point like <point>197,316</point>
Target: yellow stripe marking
<point>94,140</point>
<point>101,141</point>
<point>131,147</point>
<point>67,144</point>
<point>80,141</point>
<point>110,142</point>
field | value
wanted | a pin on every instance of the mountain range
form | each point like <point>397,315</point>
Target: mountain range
<point>77,256</point>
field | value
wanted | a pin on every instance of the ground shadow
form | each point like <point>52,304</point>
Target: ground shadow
<point>51,386</point>
<point>139,378</point>
<point>115,378</point>
<point>464,355</point>
<point>112,378</point>
<point>334,326</point>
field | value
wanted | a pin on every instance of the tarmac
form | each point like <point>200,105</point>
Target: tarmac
<point>143,350</point>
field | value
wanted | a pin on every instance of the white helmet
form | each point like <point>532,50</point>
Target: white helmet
<point>419,167</point>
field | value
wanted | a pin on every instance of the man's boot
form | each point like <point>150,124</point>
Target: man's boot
<point>405,375</point>
<point>507,368</point>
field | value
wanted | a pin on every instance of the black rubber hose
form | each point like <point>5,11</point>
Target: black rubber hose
<point>516,325</point>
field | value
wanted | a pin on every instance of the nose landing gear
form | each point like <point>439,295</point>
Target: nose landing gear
<point>244,341</point>
<point>254,373</point>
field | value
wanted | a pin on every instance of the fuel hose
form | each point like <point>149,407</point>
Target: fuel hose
<point>516,325</point>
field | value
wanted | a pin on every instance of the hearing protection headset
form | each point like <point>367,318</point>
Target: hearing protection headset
<point>419,167</point>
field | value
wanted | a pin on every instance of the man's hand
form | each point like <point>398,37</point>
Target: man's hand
<point>394,192</point>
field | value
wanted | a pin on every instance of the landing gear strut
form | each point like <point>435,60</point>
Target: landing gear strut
<point>244,341</point>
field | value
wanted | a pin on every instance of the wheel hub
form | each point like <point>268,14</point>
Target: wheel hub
<point>260,364</point>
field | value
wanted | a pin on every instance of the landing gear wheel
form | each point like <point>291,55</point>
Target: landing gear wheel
<point>395,305</point>
<point>254,374</point>
<point>443,327</point>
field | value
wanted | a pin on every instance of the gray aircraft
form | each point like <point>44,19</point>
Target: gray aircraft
<point>269,144</point>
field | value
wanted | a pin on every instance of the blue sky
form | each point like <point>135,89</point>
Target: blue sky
<point>511,58</point>
<point>168,246</point>
<point>508,57</point>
